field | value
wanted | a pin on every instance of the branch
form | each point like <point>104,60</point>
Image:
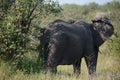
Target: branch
<point>31,12</point>
<point>26,22</point>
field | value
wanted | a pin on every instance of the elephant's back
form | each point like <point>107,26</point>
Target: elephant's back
<point>69,46</point>
<point>68,42</point>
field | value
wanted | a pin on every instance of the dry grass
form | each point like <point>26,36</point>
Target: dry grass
<point>105,71</point>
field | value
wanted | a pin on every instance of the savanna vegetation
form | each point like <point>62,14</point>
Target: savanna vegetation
<point>21,23</point>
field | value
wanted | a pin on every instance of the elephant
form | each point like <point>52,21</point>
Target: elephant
<point>67,42</point>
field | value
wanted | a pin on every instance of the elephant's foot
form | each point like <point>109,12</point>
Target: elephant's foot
<point>52,70</point>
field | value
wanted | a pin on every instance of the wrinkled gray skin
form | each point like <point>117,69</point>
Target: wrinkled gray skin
<point>66,43</point>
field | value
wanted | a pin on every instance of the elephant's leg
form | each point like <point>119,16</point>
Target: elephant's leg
<point>77,67</point>
<point>52,66</point>
<point>91,62</point>
<point>52,57</point>
<point>52,69</point>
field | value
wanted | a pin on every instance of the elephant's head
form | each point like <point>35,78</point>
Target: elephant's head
<point>103,29</point>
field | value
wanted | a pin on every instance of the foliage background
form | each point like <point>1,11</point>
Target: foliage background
<point>21,23</point>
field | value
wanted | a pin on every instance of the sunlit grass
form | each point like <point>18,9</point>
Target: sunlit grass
<point>106,70</point>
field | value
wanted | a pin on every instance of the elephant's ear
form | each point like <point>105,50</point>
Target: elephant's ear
<point>103,29</point>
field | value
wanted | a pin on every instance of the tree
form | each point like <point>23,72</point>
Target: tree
<point>16,18</point>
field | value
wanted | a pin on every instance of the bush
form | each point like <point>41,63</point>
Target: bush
<point>17,26</point>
